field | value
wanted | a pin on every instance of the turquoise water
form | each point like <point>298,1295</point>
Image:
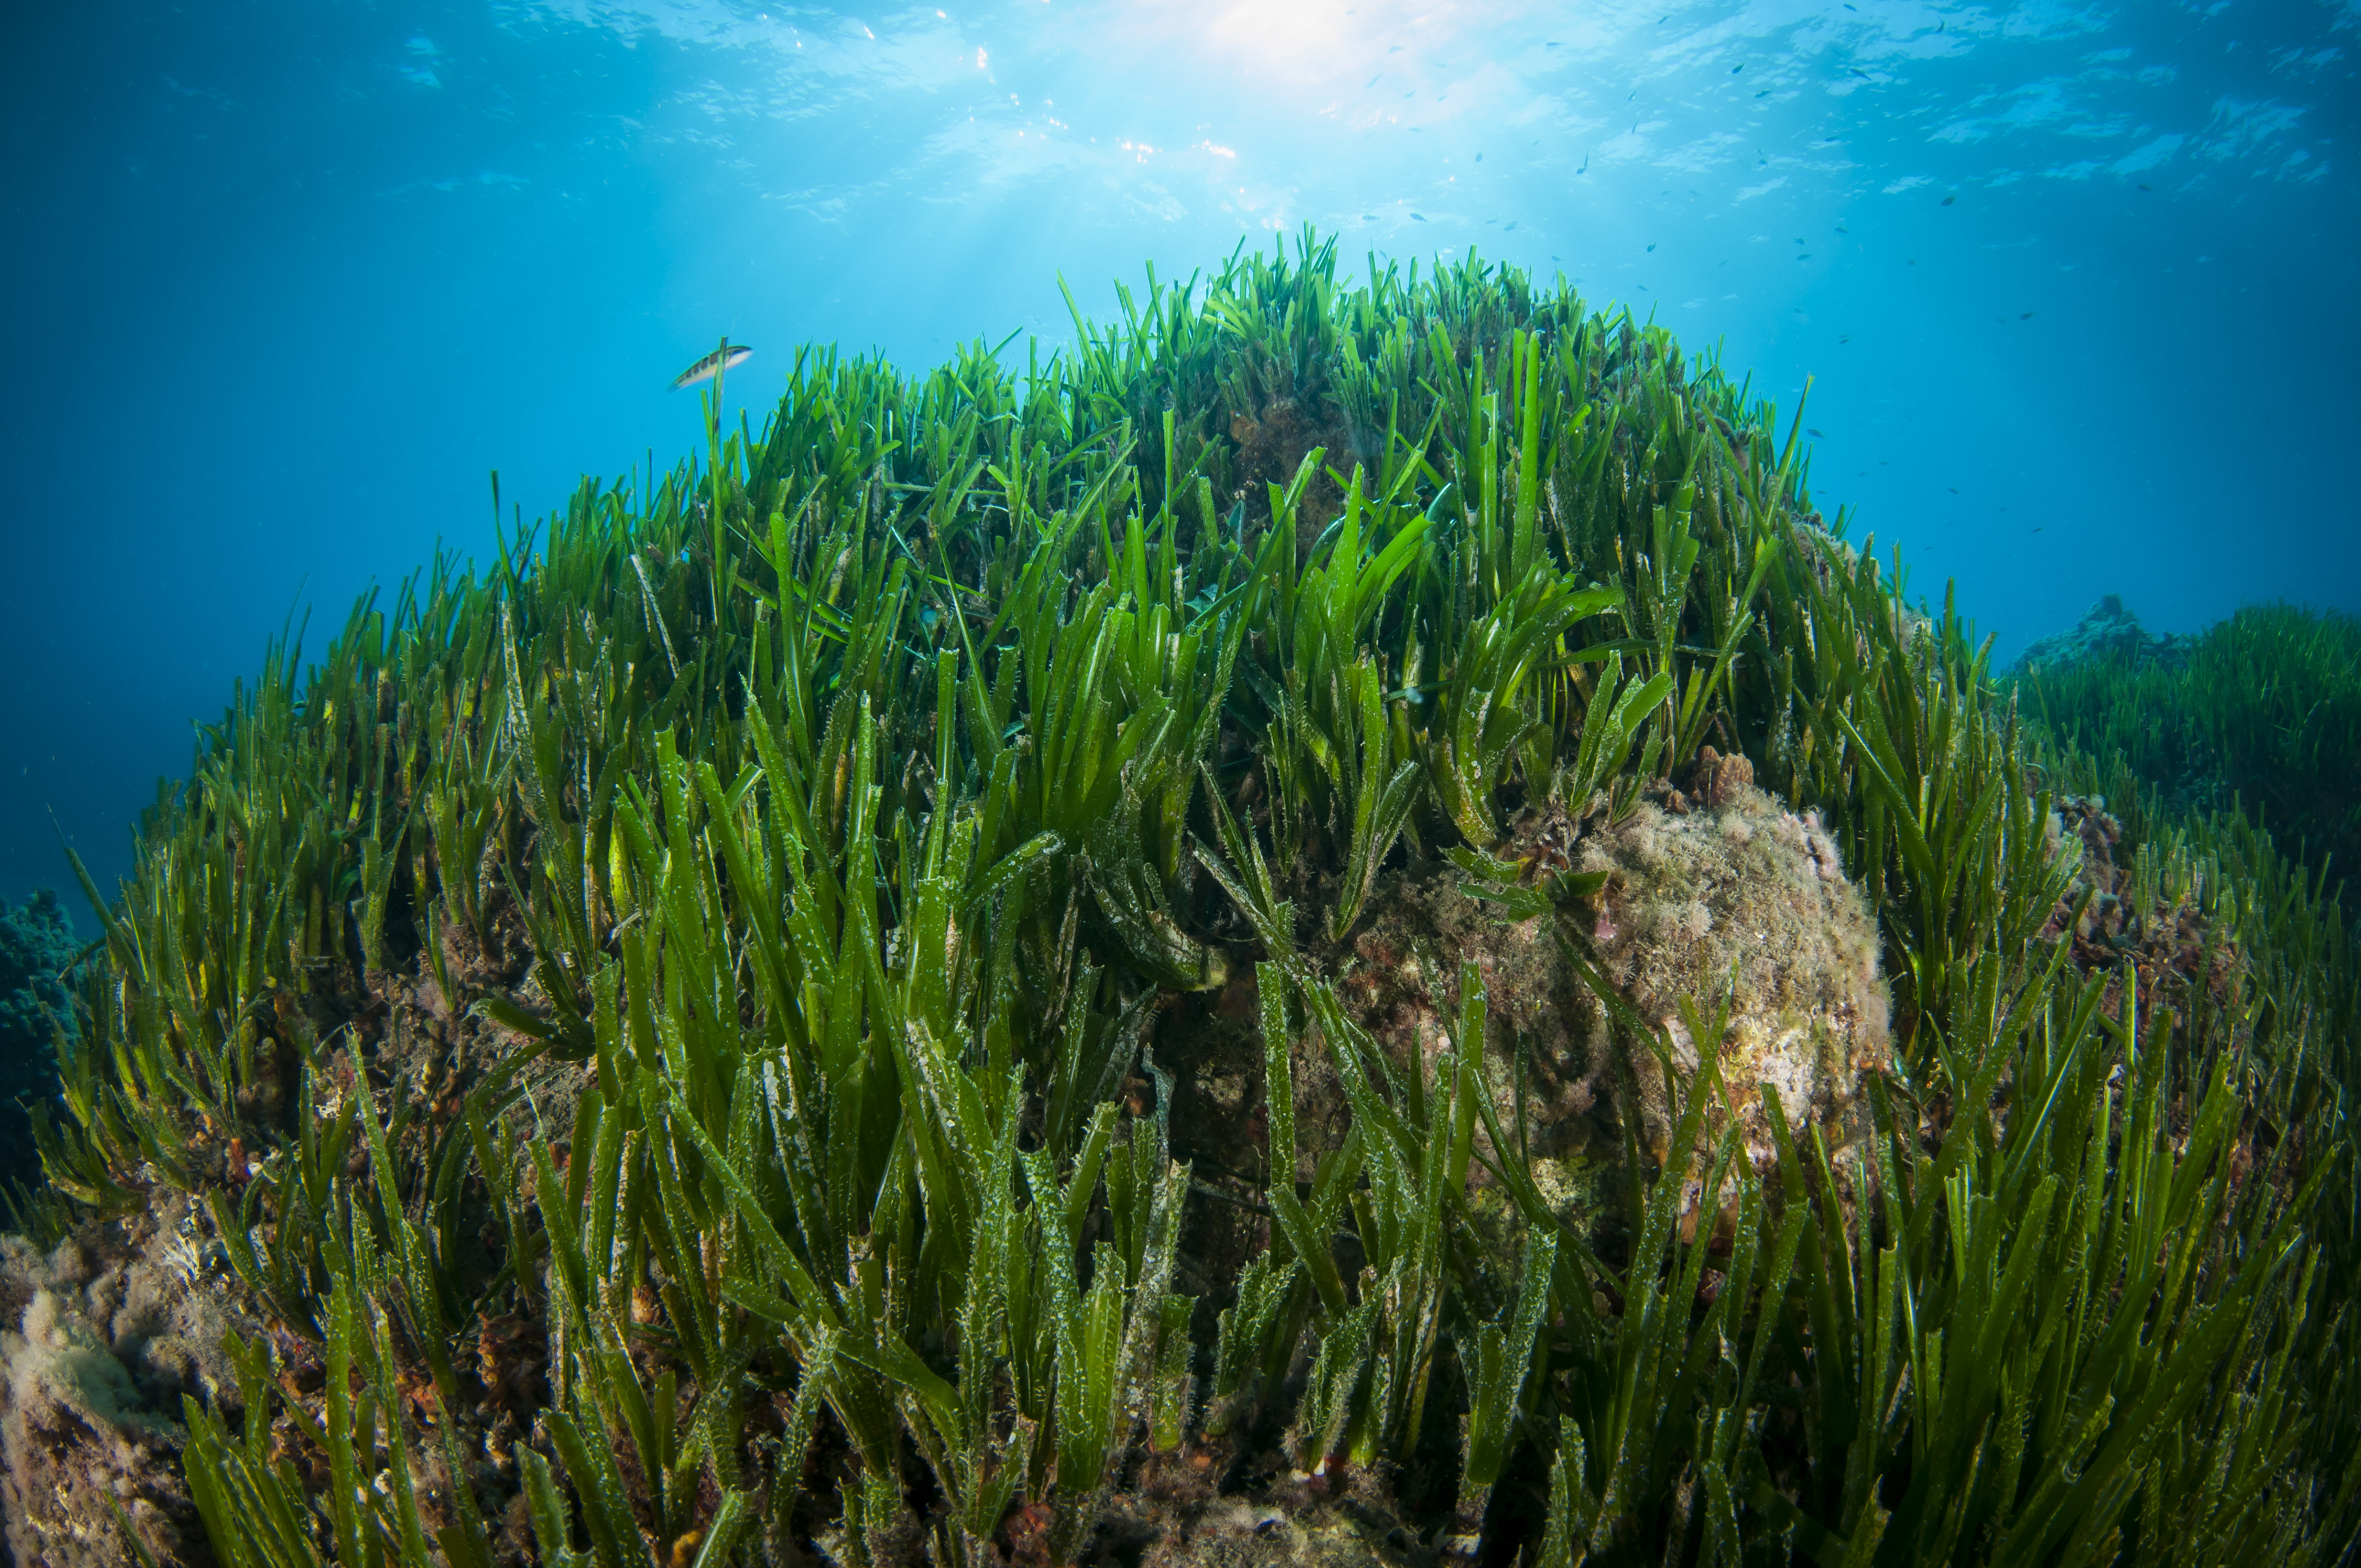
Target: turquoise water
<point>2076,282</point>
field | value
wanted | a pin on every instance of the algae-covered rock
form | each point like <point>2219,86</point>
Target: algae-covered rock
<point>104,1335</point>
<point>1235,1533</point>
<point>1741,907</point>
<point>2157,924</point>
<point>1716,896</point>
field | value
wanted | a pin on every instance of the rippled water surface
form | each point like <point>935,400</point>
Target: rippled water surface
<point>2076,282</point>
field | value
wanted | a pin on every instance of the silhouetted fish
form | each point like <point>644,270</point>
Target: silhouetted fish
<point>729,356</point>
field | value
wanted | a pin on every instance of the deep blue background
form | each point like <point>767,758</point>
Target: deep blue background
<point>281,282</point>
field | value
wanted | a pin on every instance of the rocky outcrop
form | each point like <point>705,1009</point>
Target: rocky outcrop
<point>105,1333</point>
<point>37,945</point>
<point>2110,629</point>
<point>1713,904</point>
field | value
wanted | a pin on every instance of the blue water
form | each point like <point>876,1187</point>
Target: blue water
<point>282,283</point>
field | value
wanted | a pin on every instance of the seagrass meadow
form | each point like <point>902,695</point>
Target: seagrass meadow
<point>2262,709</point>
<point>1335,927</point>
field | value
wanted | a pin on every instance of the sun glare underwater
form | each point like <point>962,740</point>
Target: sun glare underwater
<point>1131,783</point>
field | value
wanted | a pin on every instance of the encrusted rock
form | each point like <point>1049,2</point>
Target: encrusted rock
<point>2163,934</point>
<point>104,1335</point>
<point>1720,898</point>
<point>1721,780</point>
<point>1538,1023</point>
<point>1235,1533</point>
<point>1742,906</point>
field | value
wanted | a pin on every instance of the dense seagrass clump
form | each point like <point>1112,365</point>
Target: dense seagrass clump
<point>2260,712</point>
<point>1335,928</point>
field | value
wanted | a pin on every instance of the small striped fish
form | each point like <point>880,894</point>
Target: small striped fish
<point>729,356</point>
